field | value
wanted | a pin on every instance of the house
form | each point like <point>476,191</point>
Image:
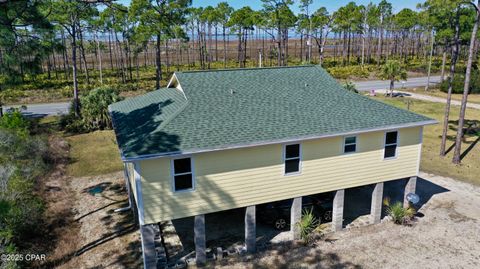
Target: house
<point>223,139</point>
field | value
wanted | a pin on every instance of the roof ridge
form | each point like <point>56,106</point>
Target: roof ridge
<point>248,68</point>
<point>137,97</point>
<point>174,115</point>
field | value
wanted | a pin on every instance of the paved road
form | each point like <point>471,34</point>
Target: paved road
<point>39,110</point>
<point>384,84</point>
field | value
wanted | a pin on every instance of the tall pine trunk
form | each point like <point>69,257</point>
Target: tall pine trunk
<point>224,48</point>
<point>379,44</point>
<point>84,59</point>
<point>158,64</point>
<point>76,104</point>
<point>450,85</point>
<point>461,119</point>
<point>99,54</point>
<point>216,43</point>
<point>444,60</point>
<point>110,50</point>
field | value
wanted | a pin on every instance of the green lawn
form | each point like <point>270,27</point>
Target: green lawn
<point>469,170</point>
<point>93,154</point>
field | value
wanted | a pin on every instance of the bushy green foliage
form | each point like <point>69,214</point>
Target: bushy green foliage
<point>93,111</point>
<point>71,123</point>
<point>15,121</point>
<point>421,66</point>
<point>307,225</point>
<point>94,108</point>
<point>23,159</point>
<point>459,81</point>
<point>350,72</point>
<point>397,212</point>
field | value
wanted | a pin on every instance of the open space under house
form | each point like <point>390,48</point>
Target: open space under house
<point>226,139</point>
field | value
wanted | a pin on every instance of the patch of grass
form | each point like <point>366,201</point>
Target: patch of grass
<point>431,162</point>
<point>472,98</point>
<point>93,154</point>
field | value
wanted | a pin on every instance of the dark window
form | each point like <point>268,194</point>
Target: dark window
<point>182,174</point>
<point>291,166</point>
<point>182,166</point>
<point>350,144</point>
<point>183,182</point>
<point>292,151</point>
<point>391,138</point>
<point>391,141</point>
<point>292,158</point>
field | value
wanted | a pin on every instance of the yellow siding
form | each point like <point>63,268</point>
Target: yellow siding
<point>241,177</point>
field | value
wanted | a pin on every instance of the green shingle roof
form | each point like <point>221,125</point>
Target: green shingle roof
<point>238,107</point>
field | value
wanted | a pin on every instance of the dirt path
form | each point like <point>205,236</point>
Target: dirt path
<point>59,226</point>
<point>106,239</point>
<point>81,228</point>
<point>447,236</point>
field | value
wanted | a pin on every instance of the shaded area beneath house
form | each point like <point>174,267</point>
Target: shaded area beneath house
<point>226,229</point>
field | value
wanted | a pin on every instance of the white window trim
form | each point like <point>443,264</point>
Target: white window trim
<point>345,144</point>
<point>299,172</point>
<point>172,174</point>
<point>385,145</point>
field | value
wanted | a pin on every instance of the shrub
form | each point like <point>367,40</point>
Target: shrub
<point>15,121</point>
<point>71,123</point>
<point>350,72</point>
<point>307,225</point>
<point>93,112</point>
<point>458,83</point>
<point>94,109</point>
<point>23,158</point>
<point>350,86</point>
<point>397,212</point>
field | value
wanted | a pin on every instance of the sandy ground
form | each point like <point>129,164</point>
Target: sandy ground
<point>106,239</point>
<point>446,236</point>
<point>84,230</point>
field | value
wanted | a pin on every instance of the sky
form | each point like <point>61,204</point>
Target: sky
<point>330,5</point>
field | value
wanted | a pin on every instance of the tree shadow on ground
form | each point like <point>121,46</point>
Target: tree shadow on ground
<point>116,225</point>
<point>131,257</point>
<point>291,255</point>
<point>425,189</point>
<point>471,130</point>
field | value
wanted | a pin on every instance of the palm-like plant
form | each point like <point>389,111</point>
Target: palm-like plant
<point>398,213</point>
<point>307,225</point>
<point>350,86</point>
<point>393,71</point>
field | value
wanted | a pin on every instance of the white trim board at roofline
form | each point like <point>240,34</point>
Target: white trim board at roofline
<point>291,140</point>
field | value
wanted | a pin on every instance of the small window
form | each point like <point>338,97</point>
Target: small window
<point>292,159</point>
<point>391,142</point>
<point>182,174</point>
<point>350,144</point>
